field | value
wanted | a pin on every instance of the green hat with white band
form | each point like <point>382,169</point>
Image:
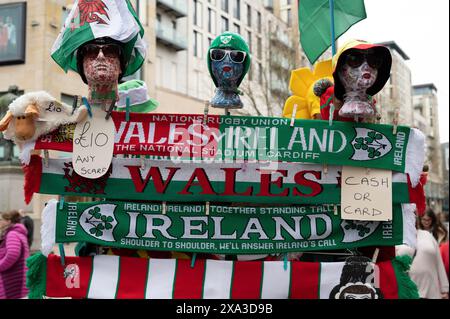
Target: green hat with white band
<point>140,101</point>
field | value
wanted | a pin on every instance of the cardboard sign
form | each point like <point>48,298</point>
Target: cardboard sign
<point>93,145</point>
<point>366,194</point>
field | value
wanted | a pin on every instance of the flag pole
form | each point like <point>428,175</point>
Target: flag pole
<point>333,32</point>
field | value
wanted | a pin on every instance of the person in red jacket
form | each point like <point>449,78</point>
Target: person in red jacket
<point>14,251</point>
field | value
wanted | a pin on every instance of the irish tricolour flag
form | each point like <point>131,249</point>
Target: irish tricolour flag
<point>93,19</point>
<point>112,277</point>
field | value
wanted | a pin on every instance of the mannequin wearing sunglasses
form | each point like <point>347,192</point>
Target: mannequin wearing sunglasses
<point>361,70</point>
<point>357,74</point>
<point>228,62</point>
<point>101,66</point>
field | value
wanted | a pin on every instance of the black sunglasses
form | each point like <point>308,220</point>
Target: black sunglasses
<point>235,55</point>
<point>109,50</point>
<point>356,58</point>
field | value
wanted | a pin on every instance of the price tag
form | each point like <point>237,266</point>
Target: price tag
<point>366,194</point>
<point>93,145</point>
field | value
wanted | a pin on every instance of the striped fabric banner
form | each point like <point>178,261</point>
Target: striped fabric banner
<point>131,179</point>
<point>112,277</point>
<point>237,138</point>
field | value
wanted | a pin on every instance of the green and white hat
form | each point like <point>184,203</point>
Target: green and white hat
<point>140,101</point>
<point>90,20</point>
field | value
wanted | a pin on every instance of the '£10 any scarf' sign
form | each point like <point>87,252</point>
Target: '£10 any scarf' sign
<point>225,230</point>
<point>287,183</point>
<point>225,138</point>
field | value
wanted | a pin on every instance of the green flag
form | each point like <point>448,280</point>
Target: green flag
<point>315,23</point>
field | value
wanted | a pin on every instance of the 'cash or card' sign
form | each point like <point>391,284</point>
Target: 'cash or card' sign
<point>366,194</point>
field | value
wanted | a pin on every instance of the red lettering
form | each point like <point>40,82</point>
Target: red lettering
<point>203,182</point>
<point>266,182</point>
<point>230,181</point>
<point>300,179</point>
<point>154,174</point>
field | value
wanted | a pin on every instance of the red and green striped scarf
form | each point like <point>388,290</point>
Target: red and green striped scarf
<point>112,277</point>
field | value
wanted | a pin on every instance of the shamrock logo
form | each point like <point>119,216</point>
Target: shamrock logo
<point>360,227</point>
<point>225,39</point>
<point>355,231</point>
<point>99,221</point>
<point>370,145</point>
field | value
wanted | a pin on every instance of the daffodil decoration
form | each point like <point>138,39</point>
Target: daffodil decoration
<point>304,101</point>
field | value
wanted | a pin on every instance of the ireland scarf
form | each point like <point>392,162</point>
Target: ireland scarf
<point>112,277</point>
<point>222,230</point>
<point>91,20</point>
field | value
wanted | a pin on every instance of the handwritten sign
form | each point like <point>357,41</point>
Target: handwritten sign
<point>366,194</point>
<point>93,145</point>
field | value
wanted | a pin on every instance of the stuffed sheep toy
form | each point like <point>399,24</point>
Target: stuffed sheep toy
<point>35,114</point>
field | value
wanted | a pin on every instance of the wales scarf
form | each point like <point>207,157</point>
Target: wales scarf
<point>163,180</point>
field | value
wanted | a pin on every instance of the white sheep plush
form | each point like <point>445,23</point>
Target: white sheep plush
<point>35,114</point>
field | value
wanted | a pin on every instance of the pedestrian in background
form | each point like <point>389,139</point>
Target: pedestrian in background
<point>14,251</point>
<point>430,222</point>
<point>427,269</point>
<point>28,222</point>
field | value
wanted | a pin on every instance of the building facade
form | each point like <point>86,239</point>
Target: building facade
<point>445,171</point>
<point>426,112</point>
<point>185,32</point>
<point>394,102</point>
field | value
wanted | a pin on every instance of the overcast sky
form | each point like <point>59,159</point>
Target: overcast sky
<point>421,30</point>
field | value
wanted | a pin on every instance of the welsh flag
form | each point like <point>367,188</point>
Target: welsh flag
<point>112,277</point>
<point>93,19</point>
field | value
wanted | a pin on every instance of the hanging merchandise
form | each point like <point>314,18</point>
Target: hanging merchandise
<point>228,62</point>
<point>322,22</point>
<point>304,101</point>
<point>106,19</point>
<point>223,230</point>
<point>361,70</point>
<point>36,114</point>
<point>226,138</point>
<point>110,277</point>
<point>163,180</point>
<point>139,100</point>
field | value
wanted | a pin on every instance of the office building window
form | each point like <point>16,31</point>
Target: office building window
<point>259,22</point>
<point>225,26</point>
<point>249,15</point>
<point>197,44</point>
<point>197,13</point>
<point>237,28</point>
<point>224,5</point>
<point>237,9</point>
<point>211,21</point>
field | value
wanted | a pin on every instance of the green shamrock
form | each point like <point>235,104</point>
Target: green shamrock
<point>101,223</point>
<point>373,153</point>
<point>360,144</point>
<point>362,230</point>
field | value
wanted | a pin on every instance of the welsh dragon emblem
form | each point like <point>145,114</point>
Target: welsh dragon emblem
<point>90,11</point>
<point>81,185</point>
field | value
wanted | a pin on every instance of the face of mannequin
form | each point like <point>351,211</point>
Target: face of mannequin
<point>358,78</point>
<point>101,64</point>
